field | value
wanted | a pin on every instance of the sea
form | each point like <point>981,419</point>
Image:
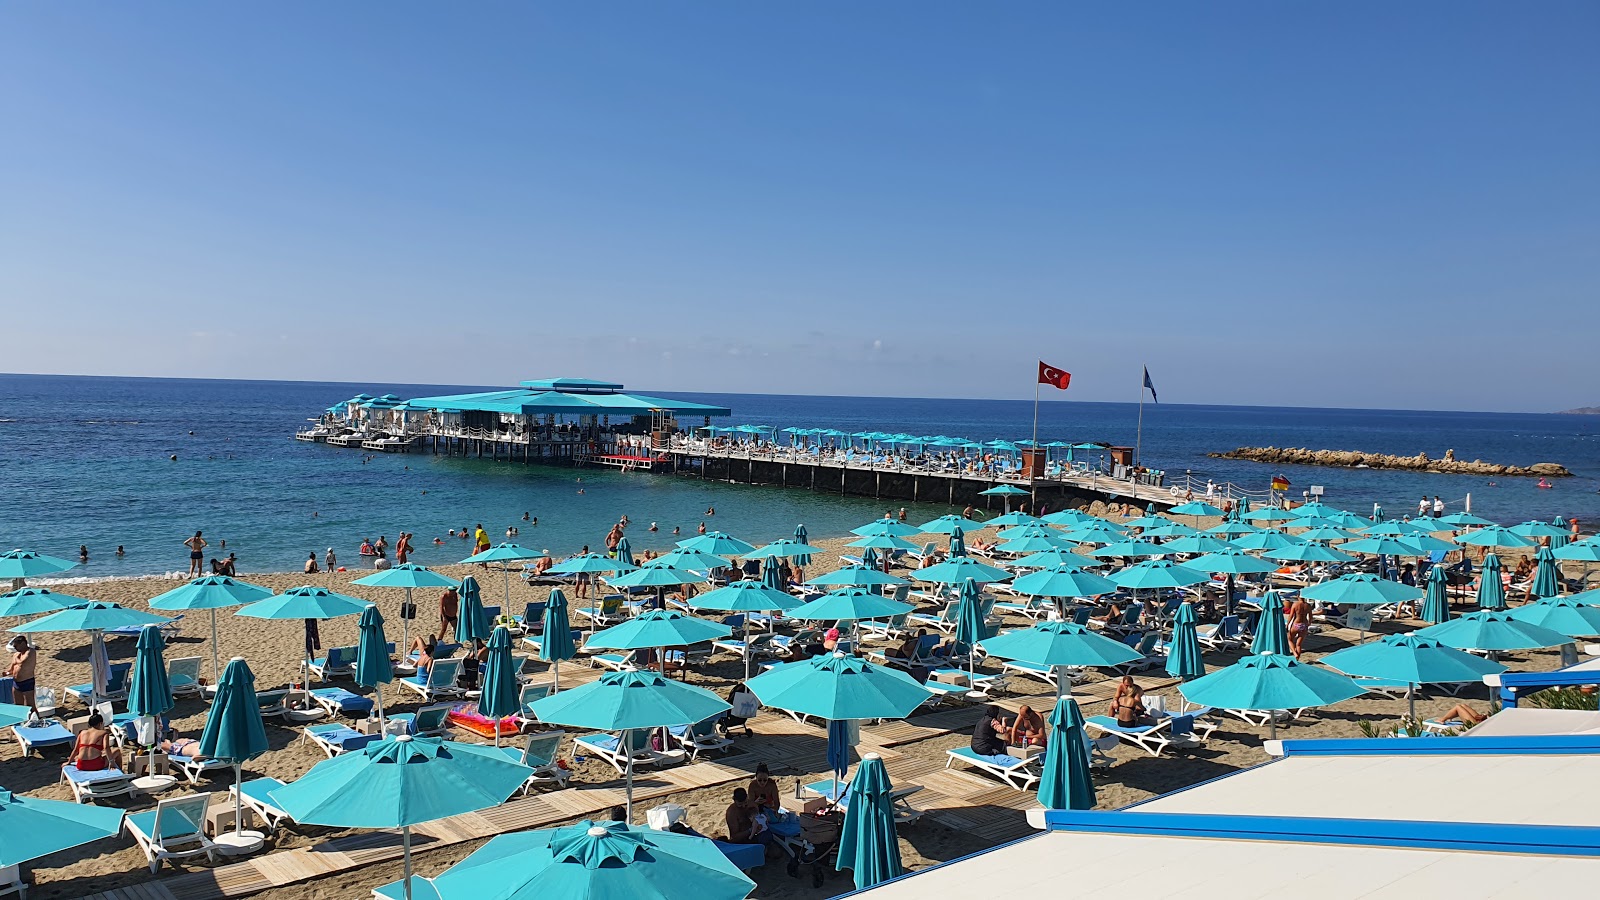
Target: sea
<point>88,461</point>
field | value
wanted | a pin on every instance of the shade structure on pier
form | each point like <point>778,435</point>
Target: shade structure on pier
<point>211,593</point>
<point>1197,543</point>
<point>1196,508</point>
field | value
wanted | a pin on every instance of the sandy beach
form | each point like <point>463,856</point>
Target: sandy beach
<point>273,651</point>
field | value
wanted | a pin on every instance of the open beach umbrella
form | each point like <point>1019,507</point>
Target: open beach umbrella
<point>309,604</point>
<point>594,861</point>
<point>697,560</point>
<point>13,714</point>
<point>1546,575</point>
<point>1157,574</point>
<point>1269,682</point>
<point>656,629</point>
<point>855,576</point>
<point>1385,545</point>
<point>1229,561</point>
<point>1035,543</point>
<point>958,542</point>
<point>1266,539</point>
<point>1001,490</point>
<point>1428,544</point>
<point>500,697</point>
<point>1305,552</point>
<point>747,597</point>
<point>1491,586</point>
<point>1031,529</point>
<point>1148,520</point>
<point>95,617</point>
<point>958,569</point>
<point>31,827</point>
<point>882,542</point>
<point>211,593</point>
<point>1494,536</point>
<point>626,701</point>
<point>1196,508</point>
<point>718,543</point>
<point>838,686</point>
<point>1413,659</point>
<point>33,601</point>
<point>1272,634</point>
<point>473,622</point>
<point>1130,549</point>
<point>503,553</point>
<point>1066,782</point>
<point>783,549</point>
<point>588,564</point>
<point>1268,514</point>
<point>1327,533</point>
<point>1095,532</point>
<point>1064,580</point>
<point>658,577</point>
<point>1059,645</point>
<point>947,524</point>
<point>1050,559</point>
<point>1561,614</point>
<point>1170,530</point>
<point>1536,529</point>
<point>1465,520</point>
<point>1197,543</point>
<point>1436,602</point>
<point>20,565</point>
<point>1013,520</point>
<point>885,527</point>
<point>1586,550</point>
<point>149,690</point>
<point>1362,589</point>
<point>1492,631</point>
<point>373,668</point>
<point>1393,528</point>
<point>1184,661</point>
<point>408,576</point>
<point>235,733</point>
<point>1232,529</point>
<point>399,782</point>
<point>869,846</point>
<point>1315,508</point>
<point>1068,518</point>
<point>850,605</point>
<point>556,643</point>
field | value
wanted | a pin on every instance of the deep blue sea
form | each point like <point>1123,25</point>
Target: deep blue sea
<point>85,460</point>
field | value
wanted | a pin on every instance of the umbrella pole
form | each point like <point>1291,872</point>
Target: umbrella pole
<point>1411,701</point>
<point>238,798</point>
<point>556,688</point>
<point>405,630</point>
<point>1063,683</point>
<point>746,646</point>
<point>216,663</point>
<point>405,844</point>
<point>628,809</point>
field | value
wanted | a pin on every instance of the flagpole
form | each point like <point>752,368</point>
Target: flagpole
<point>1138,440</point>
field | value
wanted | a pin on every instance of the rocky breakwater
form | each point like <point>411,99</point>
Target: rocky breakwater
<point>1355,459</point>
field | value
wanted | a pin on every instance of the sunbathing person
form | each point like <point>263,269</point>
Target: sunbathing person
<point>186,748</point>
<point>1463,714</point>
<point>1127,706</point>
<point>907,648</point>
<point>424,646</point>
<point>93,750</point>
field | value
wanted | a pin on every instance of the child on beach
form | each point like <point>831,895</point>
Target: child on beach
<point>21,672</point>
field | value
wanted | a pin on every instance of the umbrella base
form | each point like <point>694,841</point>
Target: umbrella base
<point>239,843</point>
<point>151,784</point>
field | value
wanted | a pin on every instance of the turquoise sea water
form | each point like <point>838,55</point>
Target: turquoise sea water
<point>86,461</point>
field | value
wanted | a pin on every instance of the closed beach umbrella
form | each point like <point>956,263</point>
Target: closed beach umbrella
<point>235,733</point>
<point>1269,682</point>
<point>211,593</point>
<point>1059,645</point>
<point>1491,585</point>
<point>307,603</point>
<point>960,568</point>
<point>1362,589</point>
<point>1272,635</point>
<point>624,701</point>
<point>624,552</point>
<point>500,697</point>
<point>1068,518</point>
<point>1561,614</point>
<point>1557,541</point>
<point>149,691</point>
<point>1413,659</point>
<point>1183,653</point>
<point>399,782</point>
<point>1384,545</point>
<point>20,565</point>
<point>869,846</point>
<point>31,827</point>
<point>840,743</point>
<point>594,861</point>
<point>95,617</point>
<point>720,543</point>
<point>838,686</point>
<point>1492,631</point>
<point>408,576</point>
<point>800,534</point>
<point>1066,782</point>
<point>958,542</point>
<point>970,626</point>
<point>473,622</point>
<point>556,643</point>
<point>1546,575</point>
<point>1436,605</point>
<point>373,668</point>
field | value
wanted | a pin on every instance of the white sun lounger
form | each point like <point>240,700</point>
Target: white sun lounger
<point>539,754</point>
<point>177,822</point>
<point>1013,770</point>
<point>609,748</point>
<point>90,786</point>
<point>438,681</point>
<point>183,675</point>
<point>257,796</point>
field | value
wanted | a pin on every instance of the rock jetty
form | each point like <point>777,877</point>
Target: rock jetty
<point>1355,459</point>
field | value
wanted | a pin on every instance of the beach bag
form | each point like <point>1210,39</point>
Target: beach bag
<point>745,704</point>
<point>663,817</point>
<point>408,610</point>
<point>44,700</point>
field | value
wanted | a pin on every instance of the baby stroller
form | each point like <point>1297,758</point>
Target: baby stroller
<point>818,845</point>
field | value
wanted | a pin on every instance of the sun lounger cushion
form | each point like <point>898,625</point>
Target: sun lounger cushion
<point>46,734</point>
<point>341,737</point>
<point>349,704</point>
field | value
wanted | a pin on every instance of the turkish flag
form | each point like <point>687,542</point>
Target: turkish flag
<point>1051,375</point>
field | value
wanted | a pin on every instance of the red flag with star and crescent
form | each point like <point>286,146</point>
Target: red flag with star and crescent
<point>1049,374</point>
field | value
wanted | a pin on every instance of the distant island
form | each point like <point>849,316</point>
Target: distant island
<point>1355,459</point>
<point>1582,411</point>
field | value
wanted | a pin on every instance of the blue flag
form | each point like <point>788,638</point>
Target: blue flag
<point>1151,385</point>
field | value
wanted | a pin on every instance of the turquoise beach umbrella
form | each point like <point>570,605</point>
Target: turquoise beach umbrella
<point>1232,529</point>
<point>1068,518</point>
<point>1384,546</point>
<point>399,782</point>
<point>800,534</point>
<point>1536,529</point>
<point>869,846</point>
<point>500,697</point>
<point>772,576</point>
<point>1558,541</point>
<point>594,861</point>
<point>149,691</point>
<point>958,542</point>
<point>1196,508</point>
<point>1328,533</point>
<point>1268,514</point>
<point>1586,550</point>
<point>503,553</point>
<point>1183,653</point>
<point>882,542</point>
<point>624,552</point>
<point>1157,574</point>
<point>958,569</point>
<point>1268,682</point>
<point>95,615</point>
<point>1031,529</point>
<point>408,576</point>
<point>1148,520</point>
<point>1436,605</point>
<point>838,686</point>
<point>751,596</point>
<point>473,622</point>
<point>1197,543</point>
<point>1393,528</point>
<point>852,576</point>
<point>1491,586</point>
<point>697,560</point>
<point>1034,543</point>
<point>850,605</point>
<point>719,543</point>
<point>1428,544</point>
<point>373,668</point>
<point>589,564</point>
<point>1230,561</point>
<point>1492,631</point>
<point>1494,536</point>
<point>31,601</point>
<point>1465,520</point>
<point>305,603</point>
<point>1013,520</point>
<point>1362,589</point>
<point>882,527</point>
<point>211,593</point>
<point>1170,530</point>
<point>1130,549</point>
<point>783,549</point>
<point>556,643</point>
<point>1272,635</point>
<point>970,625</point>
<point>1066,782</point>
<point>1095,532</point>
<point>12,714</point>
<point>1308,553</point>
<point>1266,539</point>
<point>1051,559</point>
<point>657,576</point>
<point>1413,659</point>
<point>1546,576</point>
<point>31,827</point>
<point>658,628</point>
<point>1064,580</point>
<point>28,564</point>
<point>947,524</point>
<point>1561,614</point>
<point>235,733</point>
<point>1059,645</point>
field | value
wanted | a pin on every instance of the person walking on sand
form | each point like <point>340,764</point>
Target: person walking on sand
<point>21,672</point>
<point>449,612</point>
<point>197,553</point>
<point>1299,615</point>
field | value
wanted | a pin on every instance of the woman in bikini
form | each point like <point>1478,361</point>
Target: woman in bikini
<point>1299,616</point>
<point>93,751</point>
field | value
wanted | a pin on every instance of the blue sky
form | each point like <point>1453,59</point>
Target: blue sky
<point>1359,204</point>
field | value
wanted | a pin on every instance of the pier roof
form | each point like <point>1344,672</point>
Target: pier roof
<point>572,396</point>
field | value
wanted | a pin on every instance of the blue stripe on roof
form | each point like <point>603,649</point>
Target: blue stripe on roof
<point>1497,745</point>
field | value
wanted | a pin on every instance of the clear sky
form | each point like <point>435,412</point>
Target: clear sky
<point>1337,204</point>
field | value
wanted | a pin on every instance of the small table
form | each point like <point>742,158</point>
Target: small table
<point>220,822</point>
<point>154,780</point>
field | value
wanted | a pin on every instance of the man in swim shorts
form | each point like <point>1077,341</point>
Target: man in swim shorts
<point>21,671</point>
